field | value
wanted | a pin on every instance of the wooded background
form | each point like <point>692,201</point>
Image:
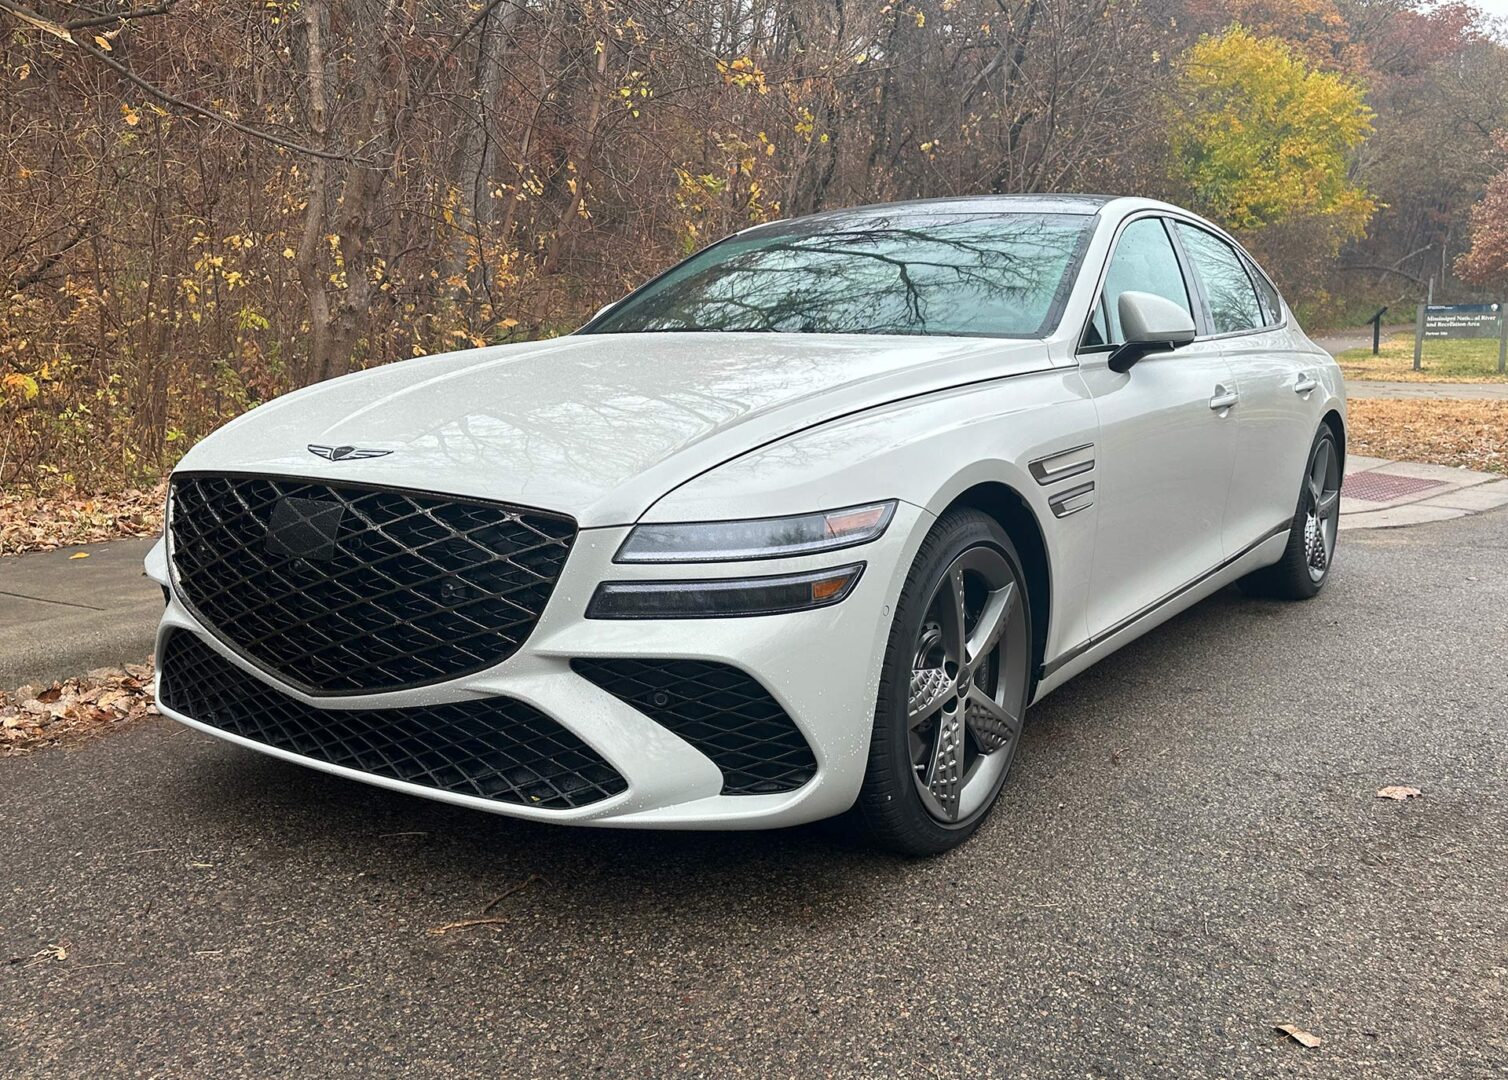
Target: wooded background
<point>203,204</point>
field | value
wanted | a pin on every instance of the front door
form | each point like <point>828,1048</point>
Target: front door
<point>1166,447</point>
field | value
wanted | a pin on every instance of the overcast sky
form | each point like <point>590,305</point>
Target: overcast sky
<point>1495,8</point>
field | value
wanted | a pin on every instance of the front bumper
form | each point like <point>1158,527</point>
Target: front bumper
<point>821,666</point>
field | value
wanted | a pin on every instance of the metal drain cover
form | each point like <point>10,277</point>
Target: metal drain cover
<point>1385,487</point>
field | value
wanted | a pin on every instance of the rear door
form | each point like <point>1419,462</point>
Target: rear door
<point>1166,447</point>
<point>1275,413</point>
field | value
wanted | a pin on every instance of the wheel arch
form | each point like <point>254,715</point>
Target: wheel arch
<point>1015,515</point>
<point>1337,426</point>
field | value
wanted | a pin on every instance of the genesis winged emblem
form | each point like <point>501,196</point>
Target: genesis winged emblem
<point>345,453</point>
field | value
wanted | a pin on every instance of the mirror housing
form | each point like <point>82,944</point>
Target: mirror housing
<point>1150,324</point>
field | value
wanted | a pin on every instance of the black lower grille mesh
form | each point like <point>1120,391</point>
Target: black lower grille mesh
<point>722,711</point>
<point>492,748</point>
<point>345,589</point>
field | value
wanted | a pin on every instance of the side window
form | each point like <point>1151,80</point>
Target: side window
<point>1227,287</point>
<point>1143,262</point>
<point>1272,306</point>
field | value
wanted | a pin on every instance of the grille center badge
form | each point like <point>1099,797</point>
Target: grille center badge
<point>304,528</point>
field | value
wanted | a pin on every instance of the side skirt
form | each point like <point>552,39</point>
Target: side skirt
<point>1261,552</point>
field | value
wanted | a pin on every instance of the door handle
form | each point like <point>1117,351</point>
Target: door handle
<point>1305,384</point>
<point>1223,398</point>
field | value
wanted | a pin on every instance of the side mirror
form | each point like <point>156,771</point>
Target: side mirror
<point>603,310</point>
<point>1150,324</point>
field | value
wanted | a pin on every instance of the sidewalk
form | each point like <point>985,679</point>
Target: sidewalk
<point>61,616</point>
<point>1382,494</point>
<point>1426,391</point>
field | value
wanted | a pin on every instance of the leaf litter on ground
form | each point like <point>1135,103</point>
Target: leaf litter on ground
<point>107,699</point>
<point>31,522</point>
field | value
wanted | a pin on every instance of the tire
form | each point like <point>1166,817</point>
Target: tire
<point>1305,566</point>
<point>930,783</point>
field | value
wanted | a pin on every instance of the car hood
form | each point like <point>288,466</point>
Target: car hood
<point>596,426</point>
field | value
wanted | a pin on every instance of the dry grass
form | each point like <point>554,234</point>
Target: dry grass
<point>74,709</point>
<point>32,523</point>
<point>1467,360</point>
<point>1473,434</point>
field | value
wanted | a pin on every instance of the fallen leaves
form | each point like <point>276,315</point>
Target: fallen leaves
<point>73,709</point>
<point>54,952</point>
<point>1298,1035</point>
<point>38,523</point>
<point>1399,792</point>
<point>1471,434</point>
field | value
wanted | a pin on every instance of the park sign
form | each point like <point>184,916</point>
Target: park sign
<point>1462,320</point>
<point>1437,321</point>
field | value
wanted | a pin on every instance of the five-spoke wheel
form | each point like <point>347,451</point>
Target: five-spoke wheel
<point>1322,520</point>
<point>953,690</point>
<point>962,717</point>
<point>1310,554</point>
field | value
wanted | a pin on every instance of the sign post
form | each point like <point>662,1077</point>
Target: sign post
<point>1376,321</point>
<point>1503,344</point>
<point>1418,337</point>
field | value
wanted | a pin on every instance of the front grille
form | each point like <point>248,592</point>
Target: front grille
<point>491,748</point>
<point>344,589</point>
<point>723,712</point>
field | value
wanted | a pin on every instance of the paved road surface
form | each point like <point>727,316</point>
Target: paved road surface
<point>61,616</point>
<point>1357,338</point>
<point>1190,852</point>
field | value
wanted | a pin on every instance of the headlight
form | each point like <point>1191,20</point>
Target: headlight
<point>723,598</point>
<point>757,538</point>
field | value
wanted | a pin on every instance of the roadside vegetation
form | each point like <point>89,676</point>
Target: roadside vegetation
<point>202,207</point>
<point>1465,360</point>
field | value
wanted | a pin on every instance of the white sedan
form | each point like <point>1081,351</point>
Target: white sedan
<point>798,529</point>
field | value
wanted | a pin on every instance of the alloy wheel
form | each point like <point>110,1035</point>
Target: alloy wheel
<point>1322,508</point>
<point>968,683</point>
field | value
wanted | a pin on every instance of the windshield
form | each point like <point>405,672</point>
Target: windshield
<point>999,275</point>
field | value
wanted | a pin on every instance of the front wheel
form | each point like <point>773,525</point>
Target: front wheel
<point>953,689</point>
<point>1306,561</point>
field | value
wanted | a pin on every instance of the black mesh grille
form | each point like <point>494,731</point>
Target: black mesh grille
<point>721,711</point>
<point>492,748</point>
<point>345,589</point>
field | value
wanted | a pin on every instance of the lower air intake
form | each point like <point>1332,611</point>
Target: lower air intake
<point>489,748</point>
<point>722,711</point>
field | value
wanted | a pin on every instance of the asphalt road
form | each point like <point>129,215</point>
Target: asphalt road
<point>1189,852</point>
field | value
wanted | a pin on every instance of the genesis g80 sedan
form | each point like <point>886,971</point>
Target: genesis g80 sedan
<point>798,529</point>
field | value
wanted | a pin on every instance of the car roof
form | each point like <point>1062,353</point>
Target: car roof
<point>958,205</point>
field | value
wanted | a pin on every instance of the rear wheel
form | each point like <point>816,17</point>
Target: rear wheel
<point>952,692</point>
<point>1307,559</point>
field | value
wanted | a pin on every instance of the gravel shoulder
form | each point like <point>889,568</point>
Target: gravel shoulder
<point>1190,852</point>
